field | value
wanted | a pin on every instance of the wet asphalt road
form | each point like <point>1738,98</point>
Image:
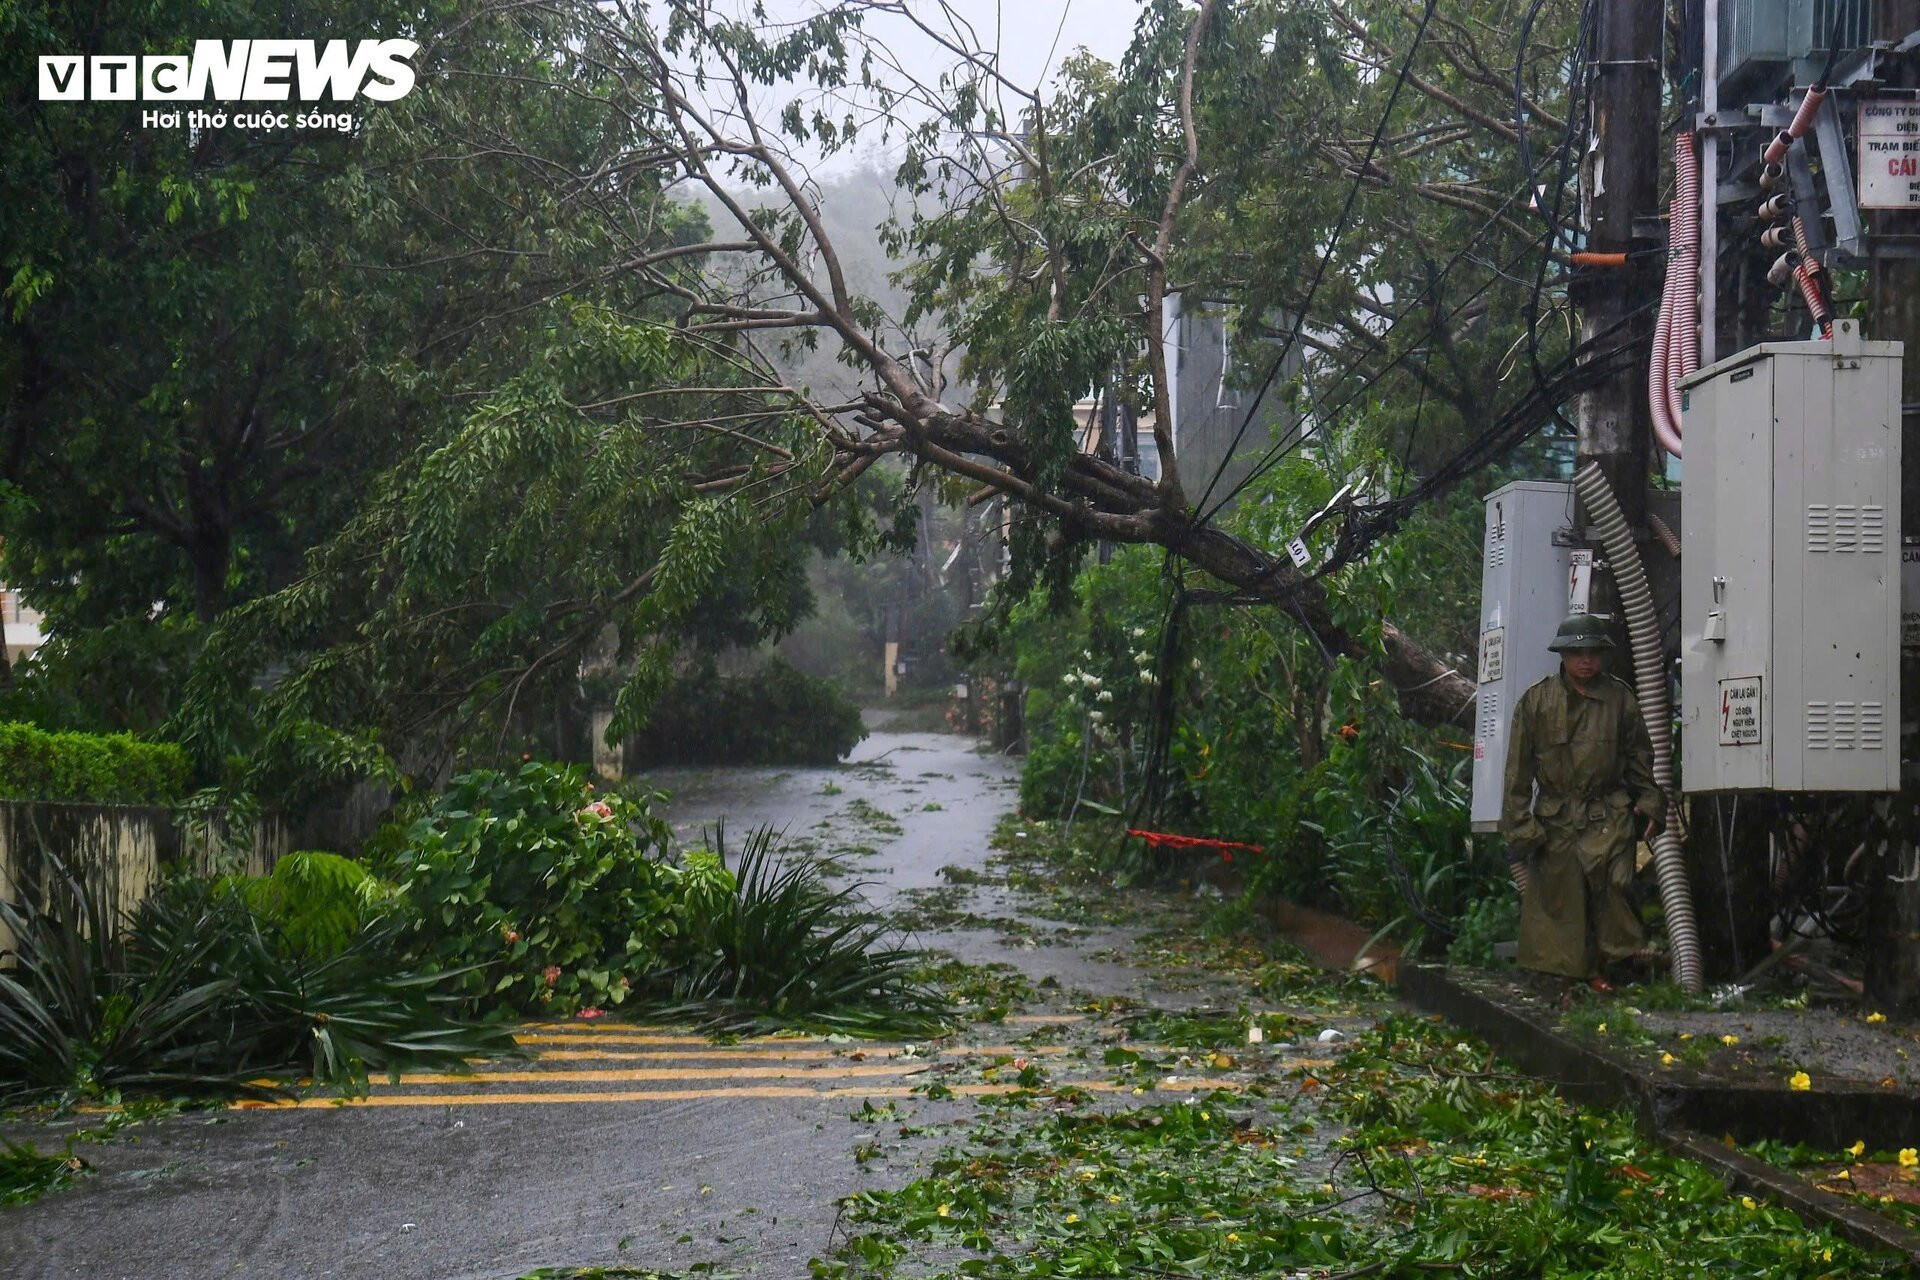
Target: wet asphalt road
<point>700,1166</point>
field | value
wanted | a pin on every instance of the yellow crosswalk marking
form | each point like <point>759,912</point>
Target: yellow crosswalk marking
<point>793,1055</point>
<point>675,1064</point>
<point>906,1066</point>
<point>652,1095</point>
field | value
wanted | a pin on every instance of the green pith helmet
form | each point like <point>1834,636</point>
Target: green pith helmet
<point>1581,631</point>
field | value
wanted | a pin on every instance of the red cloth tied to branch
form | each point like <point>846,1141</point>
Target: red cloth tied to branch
<point>1166,839</point>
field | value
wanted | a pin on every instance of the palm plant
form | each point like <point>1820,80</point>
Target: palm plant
<point>788,949</point>
<point>79,1019</point>
<point>192,995</point>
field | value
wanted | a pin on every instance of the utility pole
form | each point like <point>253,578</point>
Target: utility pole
<point>1619,183</point>
<point>1893,314</point>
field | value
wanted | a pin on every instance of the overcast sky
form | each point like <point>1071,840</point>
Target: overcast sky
<point>1031,37</point>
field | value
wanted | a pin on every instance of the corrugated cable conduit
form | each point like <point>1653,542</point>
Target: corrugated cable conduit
<point>1650,686</point>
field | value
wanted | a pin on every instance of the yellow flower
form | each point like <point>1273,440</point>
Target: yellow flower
<point>1909,1158</point>
<point>1601,1029</point>
<point>1666,1059</point>
<point>1073,1217</point>
<point>1206,1115</point>
<point>1826,1255</point>
<point>1876,1017</point>
<point>1233,1237</point>
<point>1800,1082</point>
<point>1858,1149</point>
<point>1729,1039</point>
<point>1113,1199</point>
<point>1686,1035</point>
<point>945,1211</point>
<point>1746,1202</point>
<point>1844,1174</point>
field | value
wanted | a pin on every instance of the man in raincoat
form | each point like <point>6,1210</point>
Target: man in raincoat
<point>1579,766</point>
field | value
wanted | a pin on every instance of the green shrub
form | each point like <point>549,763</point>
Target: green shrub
<point>549,899</point>
<point>547,896</point>
<point>319,902</point>
<point>101,768</point>
<point>777,715</point>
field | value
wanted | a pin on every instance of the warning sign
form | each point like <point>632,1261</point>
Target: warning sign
<point>1910,599</point>
<point>1493,654</point>
<point>1889,154</point>
<point>1740,712</point>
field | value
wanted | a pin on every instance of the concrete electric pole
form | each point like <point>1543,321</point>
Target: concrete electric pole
<point>1619,184</point>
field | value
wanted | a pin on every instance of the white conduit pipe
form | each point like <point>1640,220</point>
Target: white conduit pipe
<point>1650,685</point>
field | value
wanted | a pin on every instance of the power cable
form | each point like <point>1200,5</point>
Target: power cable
<point>1202,513</point>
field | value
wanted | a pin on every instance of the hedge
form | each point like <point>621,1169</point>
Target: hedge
<point>101,768</point>
<point>777,715</point>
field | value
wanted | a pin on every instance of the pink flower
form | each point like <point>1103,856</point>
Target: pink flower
<point>551,973</point>
<point>598,809</point>
<point>1019,1064</point>
<point>511,934</point>
<point>593,1013</point>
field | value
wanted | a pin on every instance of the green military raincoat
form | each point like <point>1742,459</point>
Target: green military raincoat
<point>1579,765</point>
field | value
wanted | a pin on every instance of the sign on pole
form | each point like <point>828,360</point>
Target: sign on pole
<point>1889,153</point>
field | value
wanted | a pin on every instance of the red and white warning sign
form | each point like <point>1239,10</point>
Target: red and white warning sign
<point>1740,712</point>
<point>1889,153</point>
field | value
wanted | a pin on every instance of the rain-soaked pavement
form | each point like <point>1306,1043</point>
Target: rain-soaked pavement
<point>618,1145</point>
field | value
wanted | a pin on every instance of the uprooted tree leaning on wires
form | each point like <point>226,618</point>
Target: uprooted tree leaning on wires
<point>1227,157</point>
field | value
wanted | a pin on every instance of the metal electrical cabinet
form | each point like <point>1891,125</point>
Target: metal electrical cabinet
<point>1790,582</point>
<point>1523,598</point>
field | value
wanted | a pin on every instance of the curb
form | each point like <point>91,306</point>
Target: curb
<point>1681,1114</point>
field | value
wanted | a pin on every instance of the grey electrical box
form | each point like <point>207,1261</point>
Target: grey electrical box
<point>1524,576</point>
<point>1760,39</point>
<point>1790,581</point>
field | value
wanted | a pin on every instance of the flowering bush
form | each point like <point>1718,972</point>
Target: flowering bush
<point>550,896</point>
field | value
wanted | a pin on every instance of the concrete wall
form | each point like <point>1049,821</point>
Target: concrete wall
<point>120,852</point>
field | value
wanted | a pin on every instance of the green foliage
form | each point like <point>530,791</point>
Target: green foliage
<point>319,902</point>
<point>194,995</point>
<point>789,949</point>
<point>777,715</point>
<point>27,1173</point>
<point>1410,1154</point>
<point>113,768</point>
<point>1494,918</point>
<point>540,894</point>
<point>1272,742</point>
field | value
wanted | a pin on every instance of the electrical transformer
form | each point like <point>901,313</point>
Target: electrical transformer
<point>1524,577</point>
<point>1790,581</point>
<point>1761,39</point>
